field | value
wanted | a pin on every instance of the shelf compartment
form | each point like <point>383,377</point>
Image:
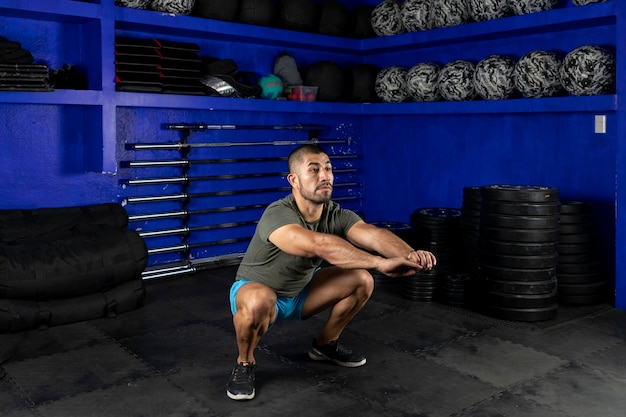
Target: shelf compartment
<point>558,20</point>
<point>189,26</point>
<point>58,39</point>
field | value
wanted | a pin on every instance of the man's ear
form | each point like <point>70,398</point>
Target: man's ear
<point>291,177</point>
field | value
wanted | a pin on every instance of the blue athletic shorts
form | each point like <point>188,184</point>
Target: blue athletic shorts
<point>287,308</point>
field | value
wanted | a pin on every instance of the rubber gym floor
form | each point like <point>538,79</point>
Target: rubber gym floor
<point>173,356</point>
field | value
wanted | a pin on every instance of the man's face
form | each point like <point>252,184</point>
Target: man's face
<point>314,178</point>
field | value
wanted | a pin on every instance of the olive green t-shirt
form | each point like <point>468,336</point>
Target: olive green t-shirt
<point>288,274</point>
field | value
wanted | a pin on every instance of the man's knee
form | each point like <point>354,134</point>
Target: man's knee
<point>256,305</point>
<point>365,281</point>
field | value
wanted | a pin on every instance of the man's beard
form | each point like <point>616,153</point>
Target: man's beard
<point>314,197</point>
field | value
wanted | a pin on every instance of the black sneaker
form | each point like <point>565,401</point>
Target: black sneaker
<point>336,354</point>
<point>241,383</point>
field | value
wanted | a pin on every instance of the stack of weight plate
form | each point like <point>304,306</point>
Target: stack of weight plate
<point>422,286</point>
<point>581,276</point>
<point>451,289</point>
<point>439,232</point>
<point>468,224</point>
<point>403,230</point>
<point>517,252</point>
<point>419,287</point>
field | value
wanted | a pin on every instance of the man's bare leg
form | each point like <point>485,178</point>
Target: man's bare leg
<point>256,310</point>
<point>345,292</point>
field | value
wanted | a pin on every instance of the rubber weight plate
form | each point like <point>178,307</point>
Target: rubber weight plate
<point>581,278</point>
<point>575,248</point>
<point>525,314</point>
<point>578,258</point>
<point>581,268</point>
<point>582,289</point>
<point>520,193</point>
<point>519,235</point>
<point>516,274</point>
<point>517,248</point>
<point>575,207</point>
<point>520,222</point>
<point>439,213</point>
<point>576,238</point>
<point>576,228</point>
<point>575,218</point>
<point>521,301</point>
<point>521,209</point>
<point>518,287</point>
<point>582,299</point>
<point>524,261</point>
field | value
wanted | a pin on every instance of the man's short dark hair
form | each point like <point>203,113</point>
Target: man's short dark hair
<point>297,155</point>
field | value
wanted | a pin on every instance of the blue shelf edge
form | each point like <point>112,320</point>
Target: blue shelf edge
<point>171,101</point>
<point>57,11</point>
<point>56,97</point>
<point>605,103</point>
<point>602,103</point>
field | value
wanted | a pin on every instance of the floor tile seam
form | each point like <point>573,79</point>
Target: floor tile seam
<point>166,377</point>
<point>28,400</point>
<point>106,387</point>
<point>567,363</point>
<point>580,362</point>
<point>182,309</point>
<point>424,351</point>
<point>490,325</point>
<point>270,352</point>
<point>544,375</point>
<point>600,371</point>
<point>556,355</point>
<point>74,349</point>
<point>497,396</point>
<point>532,348</point>
<point>331,379</point>
<point>600,350</point>
<point>119,344</point>
<point>493,322</point>
<point>169,330</point>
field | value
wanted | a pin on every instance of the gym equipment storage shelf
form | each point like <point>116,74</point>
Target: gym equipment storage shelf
<point>91,26</point>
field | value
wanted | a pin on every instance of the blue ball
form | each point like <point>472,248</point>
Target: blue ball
<point>271,86</point>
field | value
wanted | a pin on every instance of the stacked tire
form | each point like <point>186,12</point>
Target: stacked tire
<point>581,275</point>
<point>518,253</point>
<point>63,265</point>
